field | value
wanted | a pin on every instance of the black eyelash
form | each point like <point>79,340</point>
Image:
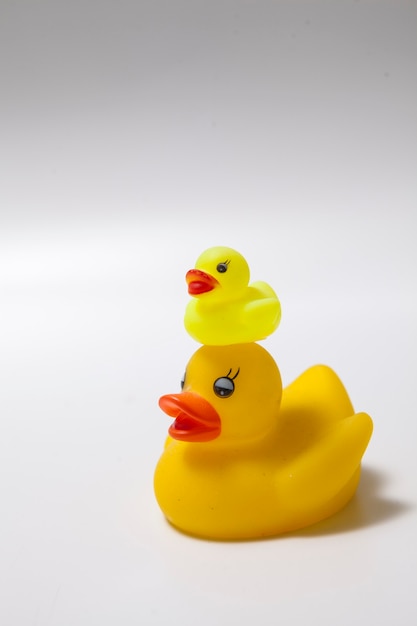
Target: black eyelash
<point>227,375</point>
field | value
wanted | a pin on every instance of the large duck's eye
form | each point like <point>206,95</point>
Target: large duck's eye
<point>222,267</point>
<point>224,386</point>
<point>182,381</point>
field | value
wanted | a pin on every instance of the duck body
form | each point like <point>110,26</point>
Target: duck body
<point>225,309</point>
<point>272,461</point>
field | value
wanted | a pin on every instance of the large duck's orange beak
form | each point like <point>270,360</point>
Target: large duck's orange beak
<point>195,418</point>
<point>199,282</point>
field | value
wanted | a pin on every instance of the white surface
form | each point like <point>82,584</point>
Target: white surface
<point>134,136</point>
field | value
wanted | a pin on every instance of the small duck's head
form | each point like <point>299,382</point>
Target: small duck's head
<point>220,272</point>
<point>230,395</point>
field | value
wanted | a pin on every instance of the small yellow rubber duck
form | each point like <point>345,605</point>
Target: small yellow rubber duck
<point>245,459</point>
<point>225,309</point>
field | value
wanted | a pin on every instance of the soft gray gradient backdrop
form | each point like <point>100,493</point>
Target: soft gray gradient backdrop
<point>133,136</point>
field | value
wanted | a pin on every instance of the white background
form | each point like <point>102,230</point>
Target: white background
<point>133,136</point>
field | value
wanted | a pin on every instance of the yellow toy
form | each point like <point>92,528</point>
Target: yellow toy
<point>245,459</point>
<point>225,309</point>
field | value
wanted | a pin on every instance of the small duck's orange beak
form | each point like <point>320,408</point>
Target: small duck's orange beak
<point>195,418</point>
<point>199,282</point>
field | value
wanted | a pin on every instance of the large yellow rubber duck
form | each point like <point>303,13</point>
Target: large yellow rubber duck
<point>225,309</point>
<point>245,459</point>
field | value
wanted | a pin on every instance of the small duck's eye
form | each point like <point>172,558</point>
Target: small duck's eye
<point>182,381</point>
<point>223,387</point>
<point>222,267</point>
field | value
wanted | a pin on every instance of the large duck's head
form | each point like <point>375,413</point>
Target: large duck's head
<point>231,395</point>
<point>220,274</point>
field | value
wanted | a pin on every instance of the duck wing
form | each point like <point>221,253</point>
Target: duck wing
<point>321,470</point>
<point>262,306</point>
